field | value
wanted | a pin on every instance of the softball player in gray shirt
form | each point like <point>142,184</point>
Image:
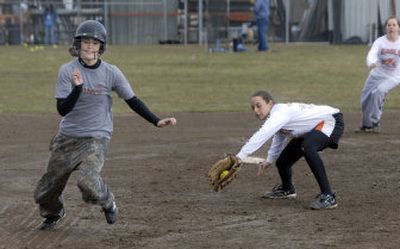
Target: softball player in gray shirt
<point>84,99</point>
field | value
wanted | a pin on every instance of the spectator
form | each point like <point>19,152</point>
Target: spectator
<point>261,11</point>
<point>50,22</point>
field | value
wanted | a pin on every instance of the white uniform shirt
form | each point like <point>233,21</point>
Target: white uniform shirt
<point>386,55</point>
<point>287,121</point>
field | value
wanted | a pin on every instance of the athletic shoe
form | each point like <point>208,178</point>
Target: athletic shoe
<point>278,192</point>
<point>111,213</point>
<point>375,128</point>
<point>50,222</point>
<point>324,201</point>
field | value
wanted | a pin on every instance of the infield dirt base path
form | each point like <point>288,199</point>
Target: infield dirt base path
<point>158,178</point>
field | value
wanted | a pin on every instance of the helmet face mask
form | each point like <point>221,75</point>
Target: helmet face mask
<point>89,29</point>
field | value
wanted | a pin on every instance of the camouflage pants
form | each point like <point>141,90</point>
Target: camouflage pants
<point>67,154</point>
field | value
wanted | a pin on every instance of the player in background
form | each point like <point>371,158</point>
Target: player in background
<point>384,64</point>
<point>84,100</point>
<point>297,130</point>
<point>261,12</point>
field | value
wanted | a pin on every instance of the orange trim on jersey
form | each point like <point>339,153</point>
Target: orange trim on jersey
<point>319,126</point>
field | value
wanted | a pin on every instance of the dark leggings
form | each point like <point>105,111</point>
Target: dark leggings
<point>308,146</point>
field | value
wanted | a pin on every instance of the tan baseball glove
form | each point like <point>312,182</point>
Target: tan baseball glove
<point>223,172</point>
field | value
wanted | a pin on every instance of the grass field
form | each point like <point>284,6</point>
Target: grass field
<point>179,78</point>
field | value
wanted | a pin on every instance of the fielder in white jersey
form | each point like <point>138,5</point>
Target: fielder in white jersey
<point>384,61</point>
<point>297,130</point>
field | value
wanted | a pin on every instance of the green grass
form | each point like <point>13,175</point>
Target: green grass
<point>179,78</point>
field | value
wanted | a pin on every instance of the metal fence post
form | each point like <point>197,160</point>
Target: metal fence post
<point>165,20</point>
<point>106,21</point>
<point>287,17</point>
<point>200,19</point>
<point>21,26</point>
<point>185,32</point>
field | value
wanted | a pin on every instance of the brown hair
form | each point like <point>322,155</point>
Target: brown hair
<point>390,18</point>
<point>265,95</point>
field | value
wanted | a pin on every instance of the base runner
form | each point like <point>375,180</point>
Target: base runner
<point>84,99</point>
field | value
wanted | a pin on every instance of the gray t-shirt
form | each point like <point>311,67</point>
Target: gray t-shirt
<point>92,114</point>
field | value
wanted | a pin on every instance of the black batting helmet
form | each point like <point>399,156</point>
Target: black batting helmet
<point>89,29</point>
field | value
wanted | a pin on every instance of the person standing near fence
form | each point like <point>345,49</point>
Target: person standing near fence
<point>84,100</point>
<point>50,23</point>
<point>383,60</point>
<point>261,12</point>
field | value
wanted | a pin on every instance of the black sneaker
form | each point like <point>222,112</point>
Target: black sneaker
<point>111,213</point>
<point>50,222</point>
<point>324,201</point>
<point>279,193</point>
<point>375,128</point>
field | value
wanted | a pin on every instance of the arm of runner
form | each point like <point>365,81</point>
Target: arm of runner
<point>140,108</point>
<point>65,105</point>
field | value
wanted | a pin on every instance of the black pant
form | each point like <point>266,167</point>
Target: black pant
<point>308,146</point>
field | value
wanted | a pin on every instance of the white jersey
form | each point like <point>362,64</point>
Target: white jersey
<point>386,55</point>
<point>287,121</point>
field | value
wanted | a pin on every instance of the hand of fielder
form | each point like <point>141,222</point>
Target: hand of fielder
<point>262,168</point>
<point>223,172</point>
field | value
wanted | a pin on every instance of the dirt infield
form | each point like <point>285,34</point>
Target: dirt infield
<point>158,178</point>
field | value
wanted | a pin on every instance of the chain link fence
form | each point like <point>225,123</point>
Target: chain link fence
<point>127,21</point>
<point>207,22</point>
